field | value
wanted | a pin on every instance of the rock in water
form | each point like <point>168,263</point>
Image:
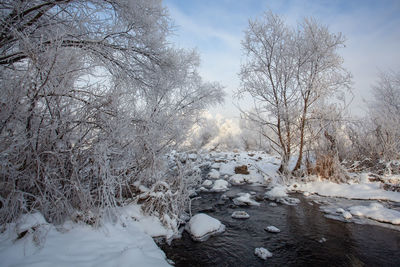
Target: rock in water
<point>272,229</point>
<point>201,227</point>
<point>240,214</point>
<point>262,253</point>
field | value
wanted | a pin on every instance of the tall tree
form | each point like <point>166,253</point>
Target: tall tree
<point>287,72</point>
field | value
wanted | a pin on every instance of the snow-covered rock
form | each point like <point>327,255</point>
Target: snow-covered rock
<point>201,227</point>
<point>240,214</point>
<point>207,183</point>
<point>347,215</point>
<point>220,186</point>
<point>192,157</point>
<point>339,210</point>
<point>273,204</point>
<point>322,240</point>
<point>245,199</point>
<point>377,212</point>
<point>215,165</point>
<point>262,253</point>
<point>277,192</point>
<point>214,174</point>
<point>237,179</point>
<point>272,229</point>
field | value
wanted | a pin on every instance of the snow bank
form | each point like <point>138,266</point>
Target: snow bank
<point>80,245</point>
<point>377,212</point>
<point>262,253</point>
<point>352,191</point>
<point>201,227</point>
<point>245,199</point>
<point>220,186</point>
<point>150,225</point>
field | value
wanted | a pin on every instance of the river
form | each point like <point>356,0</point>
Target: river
<point>307,237</point>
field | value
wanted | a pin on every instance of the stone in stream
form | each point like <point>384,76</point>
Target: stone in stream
<point>201,227</point>
<point>240,214</point>
<point>262,253</point>
<point>272,229</point>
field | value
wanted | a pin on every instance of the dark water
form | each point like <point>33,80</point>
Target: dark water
<point>302,227</point>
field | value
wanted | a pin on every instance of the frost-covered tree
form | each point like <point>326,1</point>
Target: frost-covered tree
<point>289,71</point>
<point>385,114</point>
<point>92,97</point>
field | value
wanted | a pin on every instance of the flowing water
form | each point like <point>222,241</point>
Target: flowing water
<point>300,242</point>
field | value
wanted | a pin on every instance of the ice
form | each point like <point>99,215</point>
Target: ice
<point>201,227</point>
<point>220,186</point>
<point>377,212</point>
<point>263,253</point>
<point>245,199</point>
<point>272,229</point>
<point>352,191</point>
<point>240,215</point>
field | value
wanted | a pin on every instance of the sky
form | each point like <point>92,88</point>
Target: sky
<point>216,27</point>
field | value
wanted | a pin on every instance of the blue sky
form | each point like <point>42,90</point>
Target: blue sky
<point>215,28</point>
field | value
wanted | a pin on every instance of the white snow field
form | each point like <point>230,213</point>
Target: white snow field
<point>124,243</point>
<point>201,227</point>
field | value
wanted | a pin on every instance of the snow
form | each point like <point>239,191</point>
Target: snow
<point>202,226</point>
<point>369,191</point>
<point>220,186</point>
<point>377,212</point>
<point>214,174</point>
<point>262,253</point>
<point>277,192</point>
<point>73,244</point>
<point>240,215</point>
<point>150,225</point>
<point>245,199</point>
<point>347,215</point>
<point>207,183</point>
<point>238,179</point>
<point>227,168</point>
<point>30,221</point>
<point>272,229</point>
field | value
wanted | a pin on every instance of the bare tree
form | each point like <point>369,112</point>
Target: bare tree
<point>288,72</point>
<point>385,114</point>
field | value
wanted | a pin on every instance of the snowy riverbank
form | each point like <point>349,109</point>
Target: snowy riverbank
<point>127,242</point>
